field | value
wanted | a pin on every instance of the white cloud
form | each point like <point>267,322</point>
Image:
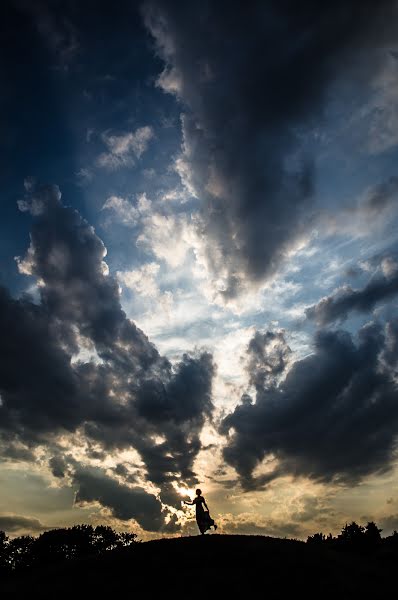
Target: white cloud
<point>169,237</point>
<point>182,167</point>
<point>170,80</point>
<point>112,162</point>
<point>229,353</point>
<point>124,149</point>
<point>125,212</point>
<point>25,265</point>
<point>389,266</point>
<point>123,209</point>
<point>142,280</point>
<point>175,195</point>
<point>144,205</point>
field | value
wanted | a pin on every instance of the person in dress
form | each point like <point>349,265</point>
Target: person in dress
<point>203,517</point>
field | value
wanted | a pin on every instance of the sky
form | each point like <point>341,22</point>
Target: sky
<point>199,265</point>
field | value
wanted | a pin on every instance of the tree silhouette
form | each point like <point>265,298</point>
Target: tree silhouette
<point>351,532</point>
<point>372,534</point>
<point>19,552</point>
<point>317,538</point>
<point>3,549</point>
<point>355,537</point>
<point>61,544</point>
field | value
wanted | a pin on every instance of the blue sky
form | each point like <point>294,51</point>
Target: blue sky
<point>239,168</point>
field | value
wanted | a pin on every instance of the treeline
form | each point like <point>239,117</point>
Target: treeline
<point>357,538</point>
<point>57,545</point>
<point>84,541</point>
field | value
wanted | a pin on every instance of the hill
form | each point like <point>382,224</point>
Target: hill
<point>250,566</point>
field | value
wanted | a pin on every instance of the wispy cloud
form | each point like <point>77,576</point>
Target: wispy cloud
<point>124,211</point>
<point>124,149</point>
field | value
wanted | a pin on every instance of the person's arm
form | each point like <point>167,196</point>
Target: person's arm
<point>189,503</point>
<point>204,502</point>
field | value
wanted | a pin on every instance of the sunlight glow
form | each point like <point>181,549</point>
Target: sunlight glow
<point>185,492</point>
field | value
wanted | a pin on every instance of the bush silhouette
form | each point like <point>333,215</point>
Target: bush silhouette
<point>62,544</point>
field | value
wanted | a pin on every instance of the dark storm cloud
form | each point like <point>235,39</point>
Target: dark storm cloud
<point>268,356</point>
<point>334,417</point>
<point>10,450</point>
<point>250,77</point>
<point>58,466</point>
<point>176,411</point>
<point>124,502</point>
<point>128,396</point>
<point>13,523</point>
<point>337,306</point>
<point>172,526</point>
<point>169,413</point>
<point>38,386</point>
<point>68,257</point>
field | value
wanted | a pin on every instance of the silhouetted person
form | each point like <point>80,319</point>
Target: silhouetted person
<point>203,518</point>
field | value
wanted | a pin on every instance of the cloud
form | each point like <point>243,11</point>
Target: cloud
<point>124,149</point>
<point>125,502</point>
<point>248,81</point>
<point>268,357</point>
<point>380,114</point>
<point>371,211</point>
<point>389,524</point>
<point>28,346</point>
<point>84,176</point>
<point>176,411</point>
<point>338,305</point>
<point>333,415</point>
<point>380,197</point>
<point>257,524</point>
<point>127,213</point>
<point>12,450</point>
<point>157,232</point>
<point>58,466</point>
<point>18,524</point>
<point>142,280</point>
<point>123,394</point>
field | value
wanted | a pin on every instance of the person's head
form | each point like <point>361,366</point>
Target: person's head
<point>198,492</point>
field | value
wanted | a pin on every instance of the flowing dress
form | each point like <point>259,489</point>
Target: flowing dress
<point>203,518</point>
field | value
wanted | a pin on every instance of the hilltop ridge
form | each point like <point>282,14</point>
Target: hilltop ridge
<point>233,564</point>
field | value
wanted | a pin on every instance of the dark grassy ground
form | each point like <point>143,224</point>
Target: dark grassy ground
<point>237,566</point>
